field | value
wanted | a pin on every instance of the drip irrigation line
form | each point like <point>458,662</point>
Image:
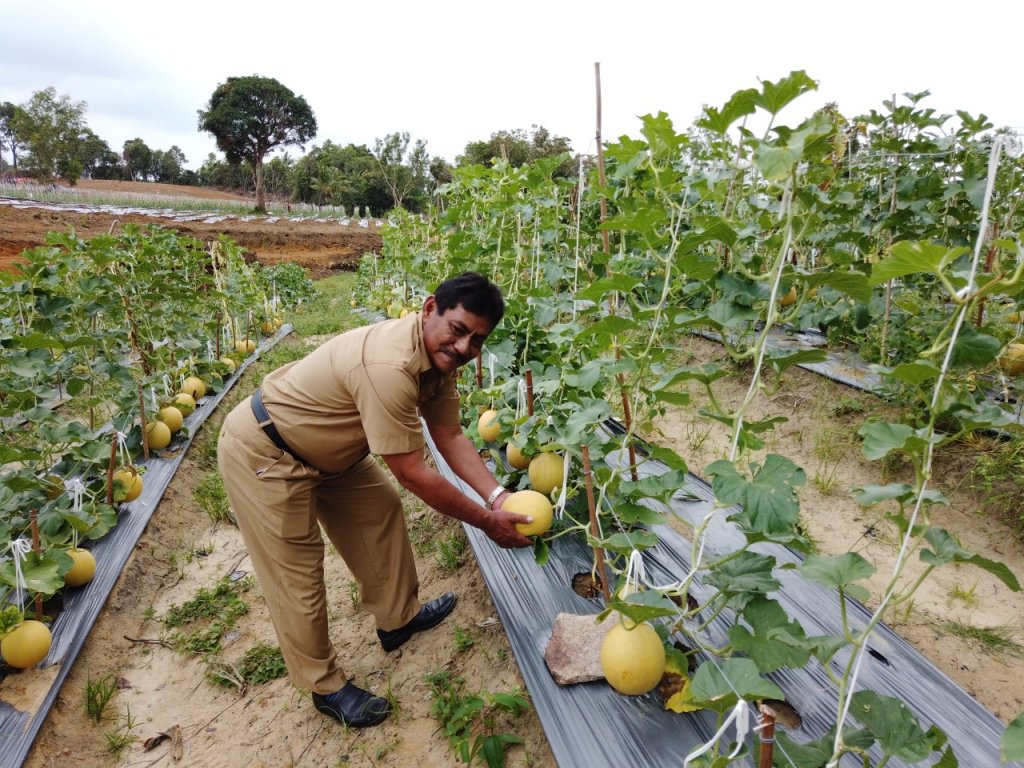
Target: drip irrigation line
<point>82,606</point>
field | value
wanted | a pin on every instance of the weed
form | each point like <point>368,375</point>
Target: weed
<point>830,448</point>
<point>995,639</point>
<point>463,639</point>
<point>968,596</point>
<point>392,697</point>
<point>472,723</point>
<point>847,406</point>
<point>211,497</point>
<point>450,550</point>
<point>121,737</point>
<point>98,694</point>
<point>221,603</point>
<point>260,664</point>
<point>353,593</point>
<point>901,613</point>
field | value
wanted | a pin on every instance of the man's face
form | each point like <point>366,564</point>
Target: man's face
<point>454,338</point>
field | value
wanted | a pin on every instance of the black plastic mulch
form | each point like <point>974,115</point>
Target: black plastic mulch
<point>591,726</point>
<point>82,606</point>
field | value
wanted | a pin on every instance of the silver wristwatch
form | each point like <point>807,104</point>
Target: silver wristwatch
<point>489,504</point>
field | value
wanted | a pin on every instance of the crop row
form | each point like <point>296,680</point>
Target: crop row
<point>888,232</point>
<point>107,346</point>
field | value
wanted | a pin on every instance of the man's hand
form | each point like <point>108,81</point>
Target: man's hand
<point>500,526</point>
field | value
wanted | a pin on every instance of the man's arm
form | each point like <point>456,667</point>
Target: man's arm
<point>415,476</point>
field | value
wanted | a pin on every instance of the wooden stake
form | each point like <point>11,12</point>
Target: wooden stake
<point>626,411</point>
<point>479,371</point>
<point>594,530</point>
<point>142,421</point>
<point>767,731</point>
<point>110,469</point>
<point>529,392</point>
<point>33,518</point>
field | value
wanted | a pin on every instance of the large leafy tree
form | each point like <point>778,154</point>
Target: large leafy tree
<point>9,139</point>
<point>53,130</point>
<point>138,159</point>
<point>519,148</point>
<point>404,170</point>
<point>348,176</point>
<point>250,116</point>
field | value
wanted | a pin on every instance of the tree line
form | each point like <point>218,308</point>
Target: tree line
<point>48,137</point>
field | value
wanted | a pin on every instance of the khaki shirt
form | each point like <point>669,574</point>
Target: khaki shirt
<point>362,391</point>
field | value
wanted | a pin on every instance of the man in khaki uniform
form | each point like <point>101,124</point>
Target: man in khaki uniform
<point>296,457</point>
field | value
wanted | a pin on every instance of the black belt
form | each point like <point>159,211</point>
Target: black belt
<point>267,425</point>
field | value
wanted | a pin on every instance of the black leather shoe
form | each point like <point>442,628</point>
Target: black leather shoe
<point>352,706</point>
<point>431,614</point>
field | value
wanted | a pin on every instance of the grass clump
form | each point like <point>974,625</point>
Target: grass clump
<point>475,723</point>
<point>212,612</point>
<point>260,664</point>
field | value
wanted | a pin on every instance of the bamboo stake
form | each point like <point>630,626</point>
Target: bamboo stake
<point>594,530</point>
<point>627,413</point>
<point>142,421</point>
<point>766,752</point>
<point>38,549</point>
<point>110,469</point>
<point>529,392</point>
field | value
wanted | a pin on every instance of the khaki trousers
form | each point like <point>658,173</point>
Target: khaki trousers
<point>281,505</point>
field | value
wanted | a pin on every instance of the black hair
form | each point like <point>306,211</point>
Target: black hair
<point>474,292</point>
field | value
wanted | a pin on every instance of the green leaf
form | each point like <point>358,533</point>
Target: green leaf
<point>774,96</point>
<point>1011,745</point>
<point>645,606</point>
<point>494,752</point>
<point>541,551</point>
<point>911,257</point>
<point>748,572</point>
<point>836,571</point>
<point>720,685</point>
<point>597,290</point>
<point>881,439</point>
<point>780,359</point>
<point>945,549</point>
<point>740,104</point>
<point>613,324</point>
<point>894,726</point>
<point>774,641</point>
<point>815,754</point>
<point>42,574</point>
<point>975,349</point>
<point>769,500</point>
<point>853,284</point>
<point>625,543</point>
<point>915,373</point>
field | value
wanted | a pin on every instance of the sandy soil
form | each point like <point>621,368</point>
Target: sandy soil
<point>275,725</point>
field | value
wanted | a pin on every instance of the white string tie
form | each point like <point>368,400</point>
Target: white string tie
<point>19,548</point>
<point>492,362</point>
<point>741,716</point>
<point>560,504</point>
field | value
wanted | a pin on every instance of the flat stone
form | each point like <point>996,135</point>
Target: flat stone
<point>573,654</point>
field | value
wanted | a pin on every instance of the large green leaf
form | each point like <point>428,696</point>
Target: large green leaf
<point>748,572</point>
<point>836,571</point>
<point>774,96</point>
<point>781,359</point>
<point>719,685</point>
<point>881,439</point>
<point>911,257</point>
<point>892,723</point>
<point>769,499</point>
<point>853,284</point>
<point>613,324</point>
<point>740,104</point>
<point>815,754</point>
<point>42,574</point>
<point>945,549</point>
<point>975,349</point>
<point>773,640</point>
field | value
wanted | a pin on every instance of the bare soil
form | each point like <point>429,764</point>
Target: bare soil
<point>274,724</point>
<point>320,245</point>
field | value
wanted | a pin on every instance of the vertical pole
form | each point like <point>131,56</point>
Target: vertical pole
<point>479,372</point>
<point>594,530</point>
<point>529,392</point>
<point>37,548</point>
<point>142,421</point>
<point>767,736</point>
<point>110,469</point>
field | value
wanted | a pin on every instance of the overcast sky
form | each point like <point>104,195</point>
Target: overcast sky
<point>452,72</point>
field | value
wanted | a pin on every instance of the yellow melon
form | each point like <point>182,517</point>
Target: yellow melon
<point>534,504</point>
<point>545,472</point>
<point>632,659</point>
